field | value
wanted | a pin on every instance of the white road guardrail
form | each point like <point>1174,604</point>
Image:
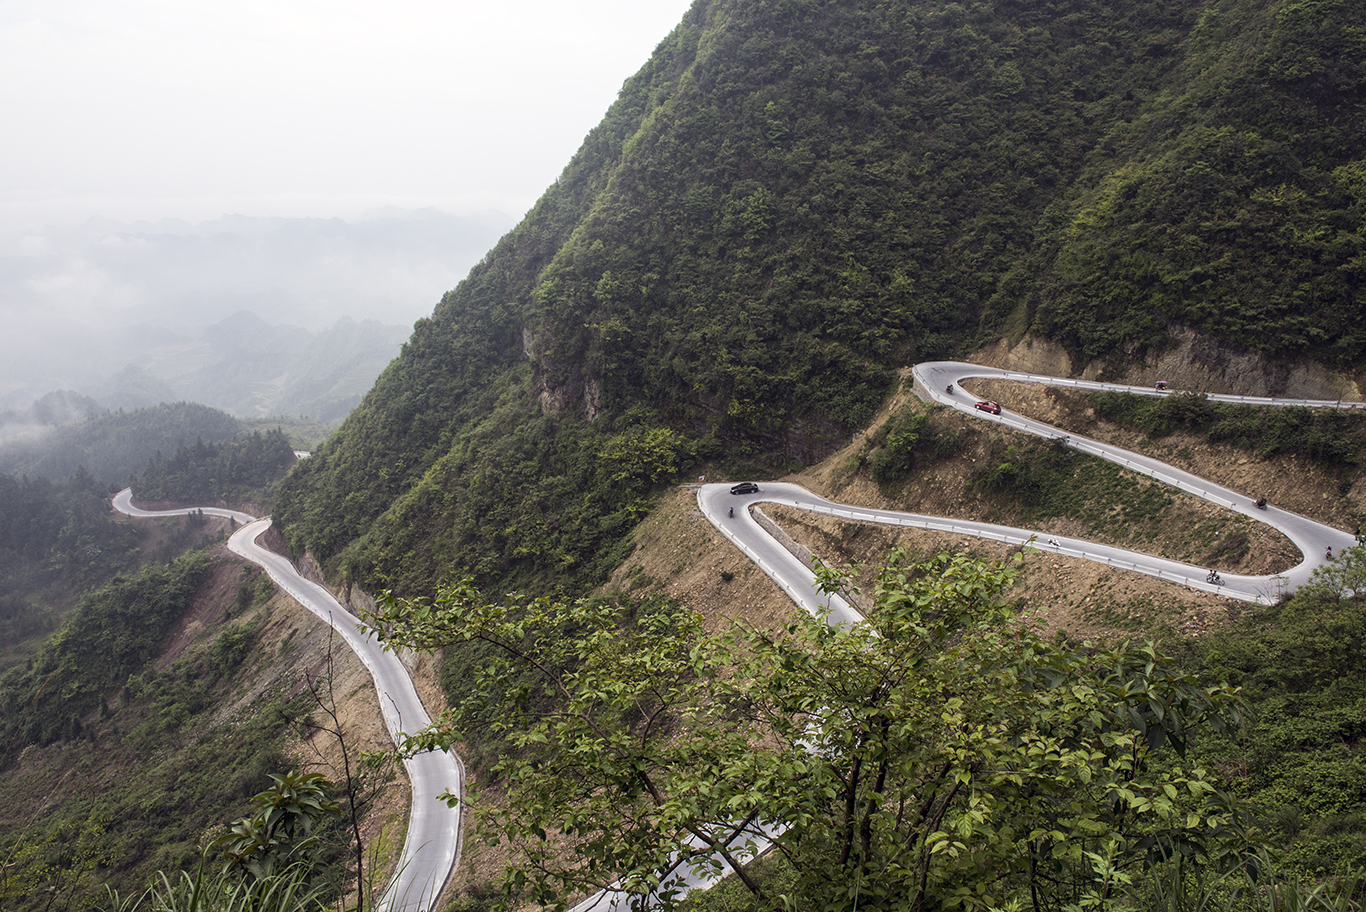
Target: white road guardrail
<point>798,581</point>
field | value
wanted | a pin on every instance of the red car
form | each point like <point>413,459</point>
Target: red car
<point>988,406</point>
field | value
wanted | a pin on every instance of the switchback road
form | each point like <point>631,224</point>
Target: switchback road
<point>432,847</point>
<point>940,381</point>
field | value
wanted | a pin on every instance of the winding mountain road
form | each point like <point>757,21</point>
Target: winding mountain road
<point>935,378</point>
<point>432,847</point>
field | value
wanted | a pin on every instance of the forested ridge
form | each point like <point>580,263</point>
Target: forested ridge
<point>792,199</point>
<point>113,445</point>
<point>238,470</point>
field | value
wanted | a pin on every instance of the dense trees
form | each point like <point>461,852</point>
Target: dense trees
<point>114,630</point>
<point>941,756</point>
<point>237,470</point>
<point>1233,202</point>
<point>1331,438</point>
<point>113,445</point>
<point>59,533</point>
<point>790,200</point>
<point>158,753</point>
<point>1301,764</point>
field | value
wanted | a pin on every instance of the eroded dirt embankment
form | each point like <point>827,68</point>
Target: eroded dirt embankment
<point>678,552</point>
<point>1289,482</point>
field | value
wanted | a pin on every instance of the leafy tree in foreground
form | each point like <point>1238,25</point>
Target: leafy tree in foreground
<point>941,756</point>
<point>281,832</point>
<point>1342,579</point>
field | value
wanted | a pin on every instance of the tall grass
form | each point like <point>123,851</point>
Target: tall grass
<point>215,889</point>
<point>1171,888</point>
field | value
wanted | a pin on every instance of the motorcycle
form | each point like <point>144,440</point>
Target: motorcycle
<point>1261,504</point>
<point>732,512</point>
<point>949,389</point>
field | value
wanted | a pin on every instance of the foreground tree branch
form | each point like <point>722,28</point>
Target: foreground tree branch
<point>941,756</point>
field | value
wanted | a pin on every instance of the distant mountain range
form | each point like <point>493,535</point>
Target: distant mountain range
<point>248,367</point>
<point>226,312</point>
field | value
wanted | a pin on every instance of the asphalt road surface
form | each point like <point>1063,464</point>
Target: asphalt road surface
<point>942,382</point>
<point>1310,537</point>
<point>433,836</point>
<point>432,847</point>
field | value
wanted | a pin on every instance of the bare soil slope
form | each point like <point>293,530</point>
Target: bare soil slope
<point>678,552</point>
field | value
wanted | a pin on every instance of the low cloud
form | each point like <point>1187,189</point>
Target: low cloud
<point>78,302</point>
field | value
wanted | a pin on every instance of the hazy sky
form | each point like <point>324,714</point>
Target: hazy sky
<point>132,109</point>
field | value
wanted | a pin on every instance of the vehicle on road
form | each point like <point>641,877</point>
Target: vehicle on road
<point>1162,386</point>
<point>986,405</point>
<point>745,487</point>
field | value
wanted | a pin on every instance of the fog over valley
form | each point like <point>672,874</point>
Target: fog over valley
<point>253,315</point>
<point>136,127</point>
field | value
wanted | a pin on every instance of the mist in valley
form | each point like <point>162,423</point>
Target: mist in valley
<point>254,315</point>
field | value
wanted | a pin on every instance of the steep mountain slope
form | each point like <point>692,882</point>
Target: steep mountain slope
<point>792,199</point>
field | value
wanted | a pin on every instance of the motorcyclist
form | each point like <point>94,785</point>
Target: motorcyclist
<point>1261,503</point>
<point>732,512</point>
<point>1215,578</point>
<point>949,389</point>
<point>1328,555</point>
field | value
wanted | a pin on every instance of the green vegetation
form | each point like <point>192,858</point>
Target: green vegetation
<point>303,433</point>
<point>113,445</point>
<point>1232,202</point>
<point>1333,438</point>
<point>1301,763</point>
<point>59,533</point>
<point>940,756</point>
<point>213,889</point>
<point>1047,479</point>
<point>282,832</point>
<point>248,468</point>
<point>791,200</point>
<point>55,868</point>
<point>910,439</point>
<point>153,762</point>
<point>510,496</point>
<point>114,630</point>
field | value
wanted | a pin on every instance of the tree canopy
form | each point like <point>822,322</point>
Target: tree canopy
<point>793,199</point>
<point>943,755</point>
<point>243,469</point>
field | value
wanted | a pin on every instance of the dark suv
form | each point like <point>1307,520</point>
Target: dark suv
<point>745,487</point>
